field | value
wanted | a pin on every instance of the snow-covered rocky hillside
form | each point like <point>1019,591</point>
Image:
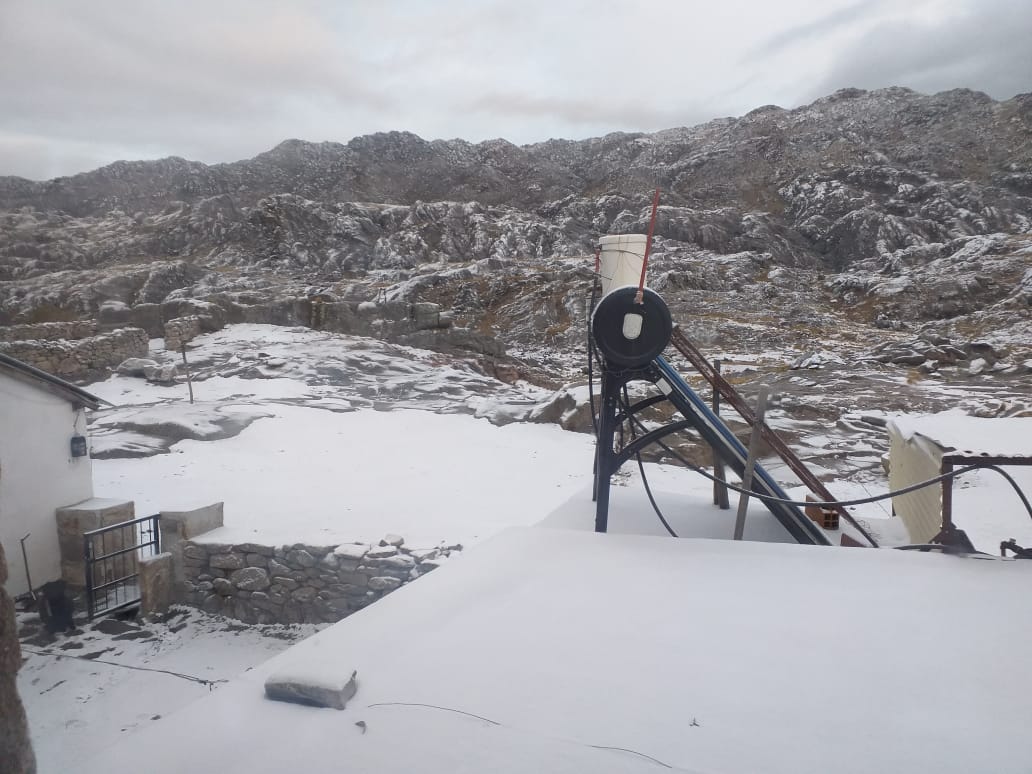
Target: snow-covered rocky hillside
<point>867,254</point>
<point>889,207</point>
<point>390,339</point>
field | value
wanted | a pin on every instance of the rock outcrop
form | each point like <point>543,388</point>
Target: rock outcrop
<point>891,207</point>
<point>15,746</point>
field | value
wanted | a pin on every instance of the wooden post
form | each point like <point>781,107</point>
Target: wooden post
<point>719,490</point>
<point>186,367</point>
<point>750,462</point>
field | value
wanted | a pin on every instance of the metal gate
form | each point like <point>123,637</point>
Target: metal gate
<point>112,555</point>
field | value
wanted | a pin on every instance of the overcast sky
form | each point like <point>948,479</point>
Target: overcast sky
<point>85,83</point>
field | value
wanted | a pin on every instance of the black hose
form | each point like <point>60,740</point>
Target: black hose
<point>860,501</point>
<point>641,469</point>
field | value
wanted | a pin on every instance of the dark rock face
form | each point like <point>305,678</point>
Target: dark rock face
<point>892,205</point>
<point>15,747</point>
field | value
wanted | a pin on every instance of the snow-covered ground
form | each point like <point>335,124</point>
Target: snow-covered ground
<point>79,702</point>
<point>300,456</point>
<point>560,651</point>
<point>310,475</point>
<point>311,437</point>
<point>308,436</point>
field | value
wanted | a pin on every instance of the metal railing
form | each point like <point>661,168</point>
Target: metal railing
<point>111,558</point>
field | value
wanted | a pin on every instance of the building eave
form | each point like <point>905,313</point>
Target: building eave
<point>55,385</point>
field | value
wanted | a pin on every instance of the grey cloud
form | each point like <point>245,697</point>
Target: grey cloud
<point>170,75</point>
<point>575,112</point>
<point>986,48</point>
<point>802,33</point>
<point>36,157</point>
<point>83,83</point>
<point>154,57</point>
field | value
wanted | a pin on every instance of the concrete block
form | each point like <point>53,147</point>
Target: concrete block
<point>189,524</point>
<point>155,575</point>
<point>73,521</point>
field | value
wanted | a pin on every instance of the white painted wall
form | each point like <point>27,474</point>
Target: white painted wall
<point>37,475</point>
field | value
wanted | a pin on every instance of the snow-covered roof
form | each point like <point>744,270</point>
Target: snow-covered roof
<point>961,434</point>
<point>559,651</point>
<point>53,384</point>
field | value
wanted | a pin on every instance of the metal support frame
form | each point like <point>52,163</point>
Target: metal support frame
<point>684,345</point>
<point>720,497</point>
<point>750,462</point>
<point>697,416</point>
<point>111,555</point>
<point>949,533</point>
<point>607,459</point>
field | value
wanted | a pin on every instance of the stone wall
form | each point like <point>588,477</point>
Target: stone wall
<point>50,331</point>
<point>299,583</point>
<point>152,317</point>
<point>421,324</point>
<point>81,358</point>
<point>181,330</point>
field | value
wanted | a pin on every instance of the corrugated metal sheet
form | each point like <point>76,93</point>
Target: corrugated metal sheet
<point>971,436</point>
<point>911,460</point>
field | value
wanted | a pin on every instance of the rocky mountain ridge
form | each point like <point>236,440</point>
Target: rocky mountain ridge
<point>889,209</point>
<point>957,134</point>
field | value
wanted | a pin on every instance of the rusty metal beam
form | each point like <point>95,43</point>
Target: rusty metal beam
<point>727,390</point>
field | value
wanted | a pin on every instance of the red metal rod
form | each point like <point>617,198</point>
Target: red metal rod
<point>648,248</point>
<point>598,259</point>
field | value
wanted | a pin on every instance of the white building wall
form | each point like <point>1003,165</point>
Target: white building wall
<point>37,475</point>
<point>913,459</point>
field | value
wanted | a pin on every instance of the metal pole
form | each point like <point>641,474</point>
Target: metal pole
<point>719,490</point>
<point>648,248</point>
<point>604,448</point>
<point>946,527</point>
<point>682,344</point>
<point>25,558</point>
<point>750,462</point>
<point>87,553</point>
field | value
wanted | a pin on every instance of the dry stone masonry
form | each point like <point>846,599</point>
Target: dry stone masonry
<point>78,358</point>
<point>49,331</point>
<point>181,330</point>
<point>299,583</point>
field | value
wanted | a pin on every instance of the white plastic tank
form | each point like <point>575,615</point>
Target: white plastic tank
<point>621,259</point>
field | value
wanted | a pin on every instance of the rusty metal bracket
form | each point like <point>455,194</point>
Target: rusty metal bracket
<point>727,390</point>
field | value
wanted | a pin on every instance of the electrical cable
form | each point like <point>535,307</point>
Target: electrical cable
<point>859,501</point>
<point>515,728</point>
<point>202,680</point>
<point>641,469</point>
